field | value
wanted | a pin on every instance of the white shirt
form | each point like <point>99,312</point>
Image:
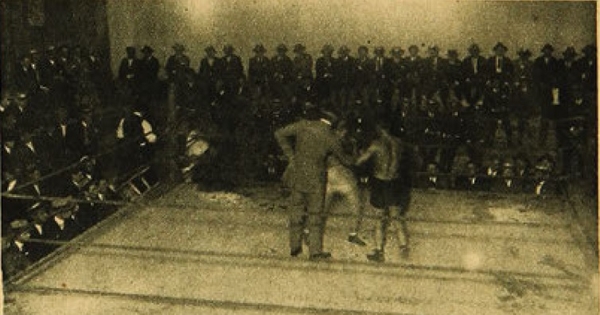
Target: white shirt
<point>60,222</point>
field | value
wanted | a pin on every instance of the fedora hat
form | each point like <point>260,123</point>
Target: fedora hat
<point>547,47</point>
<point>259,48</point>
<point>147,49</point>
<point>210,49</point>
<point>178,47</point>
<point>299,48</point>
<point>524,53</point>
<point>282,48</point>
<point>500,45</point>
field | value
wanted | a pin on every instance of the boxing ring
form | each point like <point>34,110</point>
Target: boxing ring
<point>194,252</point>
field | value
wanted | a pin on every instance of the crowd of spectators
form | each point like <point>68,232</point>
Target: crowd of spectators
<point>72,132</point>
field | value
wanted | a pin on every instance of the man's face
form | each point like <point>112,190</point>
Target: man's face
<point>433,53</point>
<point>413,51</point>
<point>40,216</point>
<point>547,53</point>
<point>500,52</point>
<point>362,53</point>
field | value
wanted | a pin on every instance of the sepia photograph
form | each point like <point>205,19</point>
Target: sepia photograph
<point>256,157</point>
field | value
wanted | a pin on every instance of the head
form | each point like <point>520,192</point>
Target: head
<point>35,55</point>
<point>453,55</point>
<point>379,51</point>
<point>363,52</point>
<point>299,49</point>
<point>547,50</point>
<point>25,60</point>
<point>413,50</point>
<point>343,51</point>
<point>500,50</point>
<point>130,51</point>
<point>474,50</point>
<point>259,50</point>
<point>433,51</point>
<point>50,51</point>
<point>228,50</point>
<point>524,54</point>
<point>282,50</point>
<point>20,230</point>
<point>589,52</point>
<point>39,215</point>
<point>178,49</point>
<point>327,50</point>
<point>211,52</point>
<point>147,51</point>
<point>397,52</point>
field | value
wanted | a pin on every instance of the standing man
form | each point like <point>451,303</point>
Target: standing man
<point>545,76</point>
<point>259,74</point>
<point>390,187</point>
<point>282,67</point>
<point>325,76</point>
<point>307,144</point>
<point>177,63</point>
<point>303,76</point>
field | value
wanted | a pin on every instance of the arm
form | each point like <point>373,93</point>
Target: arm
<point>366,155</point>
<point>283,136</point>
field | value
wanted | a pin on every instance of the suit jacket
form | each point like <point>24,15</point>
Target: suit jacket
<point>233,69</point>
<point>69,231</point>
<point>282,69</point>
<point>473,70</point>
<point>545,73</point>
<point>365,72</point>
<point>345,71</point>
<point>259,71</point>
<point>82,139</point>
<point>147,74</point>
<point>589,74</point>
<point>325,69</point>
<point>128,70</point>
<point>303,67</point>
<point>308,144</point>
<point>39,250</point>
<point>500,69</point>
<point>175,64</point>
<point>14,260</point>
<point>25,79</point>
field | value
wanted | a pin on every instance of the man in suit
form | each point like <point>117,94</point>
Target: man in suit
<point>15,251</point>
<point>364,73</point>
<point>302,73</point>
<point>282,69</point>
<point>38,218</point>
<point>147,76</point>
<point>545,77</point>
<point>589,72</point>
<point>128,70</point>
<point>396,74</point>
<point>344,73</point>
<point>232,72</point>
<point>498,91</point>
<point>433,73</point>
<point>325,76</point>
<point>177,63</point>
<point>473,74</point>
<point>82,136</point>
<point>25,78</point>
<point>62,225</point>
<point>209,75</point>
<point>307,144</point>
<point>414,73</point>
<point>381,91</point>
<point>259,74</point>
<point>522,96</point>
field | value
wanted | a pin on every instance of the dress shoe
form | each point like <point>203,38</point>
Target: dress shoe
<point>376,256</point>
<point>296,251</point>
<point>353,238</point>
<point>320,256</point>
<point>404,251</point>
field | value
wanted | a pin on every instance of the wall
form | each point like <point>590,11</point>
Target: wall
<point>243,23</point>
